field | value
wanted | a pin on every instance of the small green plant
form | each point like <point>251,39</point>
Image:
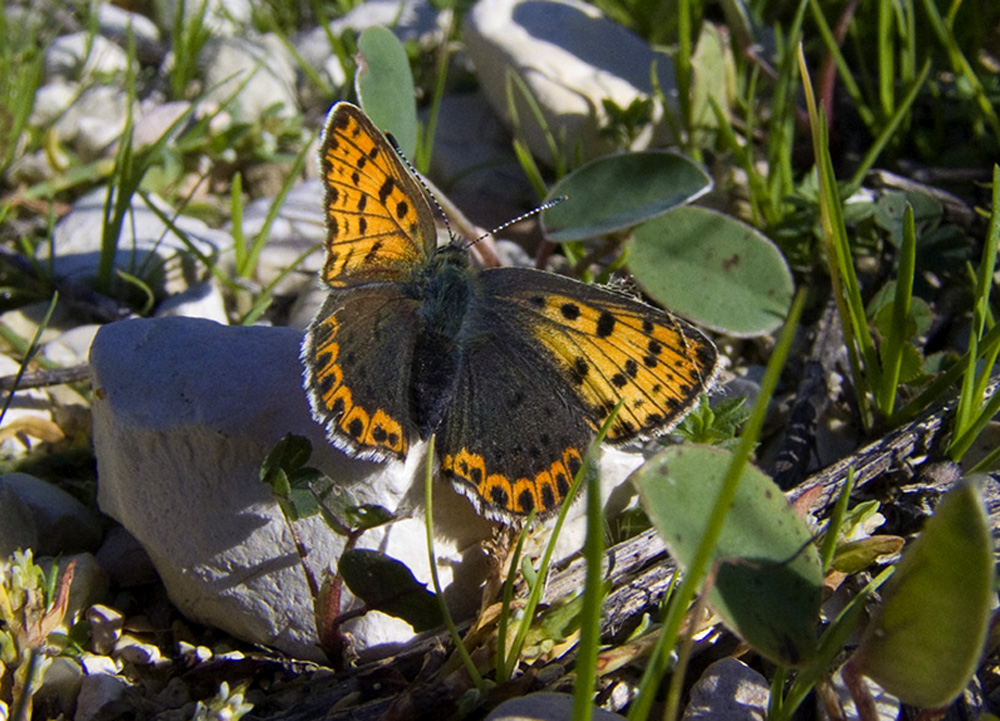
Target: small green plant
<point>190,33</point>
<point>33,606</point>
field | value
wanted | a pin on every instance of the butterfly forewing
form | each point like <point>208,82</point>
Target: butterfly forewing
<point>379,224</point>
<point>610,347</point>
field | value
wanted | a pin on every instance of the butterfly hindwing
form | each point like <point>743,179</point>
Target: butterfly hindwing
<point>357,354</point>
<point>379,224</point>
<point>514,437</point>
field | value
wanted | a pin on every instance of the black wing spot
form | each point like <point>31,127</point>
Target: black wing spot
<point>605,325</point>
<point>386,190</point>
<point>570,311</point>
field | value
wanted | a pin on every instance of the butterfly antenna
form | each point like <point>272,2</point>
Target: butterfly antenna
<point>420,179</point>
<point>535,211</point>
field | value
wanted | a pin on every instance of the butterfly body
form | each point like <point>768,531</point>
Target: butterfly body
<point>514,369</point>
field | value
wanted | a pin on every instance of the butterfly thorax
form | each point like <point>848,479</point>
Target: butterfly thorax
<point>444,288</point>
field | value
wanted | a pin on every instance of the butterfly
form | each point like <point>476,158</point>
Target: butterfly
<point>514,369</point>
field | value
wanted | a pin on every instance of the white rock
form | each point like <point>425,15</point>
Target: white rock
<point>297,229</point>
<point>28,420</point>
<point>95,665</point>
<point>25,322</point>
<point>17,526</point>
<point>51,101</point>
<point>94,121</point>
<point>83,56</point>
<point>408,19</point>
<point>146,247</point>
<point>60,684</point>
<point>156,119</point>
<point>105,628</point>
<point>117,23</point>
<point>261,73</point>
<point>125,560</point>
<point>203,300</point>
<point>220,17</point>
<point>197,434</point>
<point>887,706</point>
<point>64,524</point>
<point>131,650</point>
<point>96,692</point>
<point>474,160</point>
<point>71,347</point>
<point>543,706</point>
<point>571,58</point>
<point>729,690</point>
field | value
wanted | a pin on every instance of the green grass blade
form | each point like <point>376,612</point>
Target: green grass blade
<point>695,575</point>
<point>593,595</point>
<point>892,355</point>
<point>456,638</point>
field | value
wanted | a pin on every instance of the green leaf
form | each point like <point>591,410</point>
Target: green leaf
<point>288,455</point>
<point>924,643</point>
<point>384,85</point>
<point>855,556</point>
<point>386,585</point>
<point>768,572</point>
<point>620,191</point>
<point>713,269</point>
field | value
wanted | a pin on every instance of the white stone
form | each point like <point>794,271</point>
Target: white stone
<point>203,300</point>
<point>28,420</point>
<point>297,229</point>
<point>146,247</point>
<point>60,684</point>
<point>196,436</point>
<point>51,101</point>
<point>220,17</point>
<point>64,524</point>
<point>131,650</point>
<point>83,56</point>
<point>94,121</point>
<point>544,706</point>
<point>261,73</point>
<point>72,347</point>
<point>728,690</point>
<point>156,120</point>
<point>408,19</point>
<point>105,628</point>
<point>96,692</point>
<point>17,526</point>
<point>117,23</point>
<point>571,58</point>
<point>474,160</point>
<point>125,560</point>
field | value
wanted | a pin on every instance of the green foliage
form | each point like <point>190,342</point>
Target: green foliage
<point>714,424</point>
<point>386,585</point>
<point>925,641</point>
<point>21,61</point>
<point>767,573</point>
<point>384,85</point>
<point>617,192</point>
<point>190,33</point>
<point>713,269</point>
<point>33,606</point>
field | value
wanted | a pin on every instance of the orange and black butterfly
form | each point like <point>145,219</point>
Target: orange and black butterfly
<point>514,369</point>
